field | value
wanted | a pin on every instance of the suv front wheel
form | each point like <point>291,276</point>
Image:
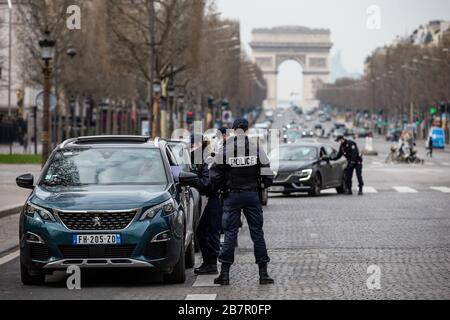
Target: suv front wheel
<point>31,280</point>
<point>178,274</point>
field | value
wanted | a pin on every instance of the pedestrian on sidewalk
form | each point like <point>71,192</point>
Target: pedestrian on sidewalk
<point>430,147</point>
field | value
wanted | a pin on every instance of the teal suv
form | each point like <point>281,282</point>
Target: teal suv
<point>108,202</point>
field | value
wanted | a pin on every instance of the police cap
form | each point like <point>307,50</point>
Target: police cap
<point>241,124</point>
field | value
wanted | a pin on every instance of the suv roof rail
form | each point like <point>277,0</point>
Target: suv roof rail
<point>111,139</point>
<point>65,143</point>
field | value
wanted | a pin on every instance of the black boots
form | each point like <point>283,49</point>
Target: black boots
<point>360,193</point>
<point>208,267</point>
<point>264,277</point>
<point>224,277</point>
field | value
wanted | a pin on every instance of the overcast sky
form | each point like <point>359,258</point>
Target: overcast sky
<point>347,20</point>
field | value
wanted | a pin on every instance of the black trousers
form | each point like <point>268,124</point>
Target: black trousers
<point>354,166</point>
<point>250,204</point>
<point>208,230</point>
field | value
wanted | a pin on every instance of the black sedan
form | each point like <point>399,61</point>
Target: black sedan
<point>307,168</point>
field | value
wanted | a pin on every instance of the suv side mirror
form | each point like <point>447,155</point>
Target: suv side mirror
<point>188,179</point>
<point>25,181</point>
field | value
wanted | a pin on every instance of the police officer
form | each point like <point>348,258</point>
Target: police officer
<point>209,227</point>
<point>350,151</point>
<point>238,171</point>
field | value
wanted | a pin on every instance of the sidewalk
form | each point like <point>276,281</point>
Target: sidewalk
<point>10,194</point>
<point>9,233</point>
<point>11,199</point>
<point>18,149</point>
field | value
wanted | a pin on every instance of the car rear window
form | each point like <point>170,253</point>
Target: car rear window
<point>106,166</point>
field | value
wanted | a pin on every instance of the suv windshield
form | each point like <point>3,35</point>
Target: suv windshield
<point>106,166</point>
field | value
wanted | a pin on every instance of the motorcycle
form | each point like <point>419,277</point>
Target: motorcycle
<point>397,157</point>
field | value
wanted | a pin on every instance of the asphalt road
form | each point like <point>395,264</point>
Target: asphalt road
<point>321,248</point>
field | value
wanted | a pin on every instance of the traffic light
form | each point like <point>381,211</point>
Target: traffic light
<point>210,102</point>
<point>433,110</point>
<point>190,117</point>
<point>225,104</point>
<point>443,108</point>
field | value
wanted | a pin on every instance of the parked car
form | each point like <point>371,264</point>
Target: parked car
<point>307,167</point>
<point>108,202</point>
<point>181,152</point>
<point>438,136</point>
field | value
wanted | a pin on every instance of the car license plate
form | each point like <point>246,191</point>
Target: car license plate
<point>96,239</point>
<point>276,189</point>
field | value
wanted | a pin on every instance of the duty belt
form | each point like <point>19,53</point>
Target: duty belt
<point>242,190</point>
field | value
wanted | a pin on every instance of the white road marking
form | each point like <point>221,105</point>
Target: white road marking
<point>370,190</point>
<point>377,163</point>
<point>205,281</point>
<point>405,190</point>
<point>429,163</point>
<point>329,191</point>
<point>445,164</point>
<point>441,189</point>
<point>201,297</point>
<point>9,257</point>
<point>314,235</point>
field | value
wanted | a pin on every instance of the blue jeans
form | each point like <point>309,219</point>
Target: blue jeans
<point>249,203</point>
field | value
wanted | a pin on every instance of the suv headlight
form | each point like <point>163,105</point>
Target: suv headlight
<point>32,209</point>
<point>167,208</point>
<point>304,174</point>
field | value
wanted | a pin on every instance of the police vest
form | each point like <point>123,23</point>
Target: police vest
<point>243,170</point>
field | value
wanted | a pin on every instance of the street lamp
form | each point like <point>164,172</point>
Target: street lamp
<point>171,95</point>
<point>72,52</point>
<point>47,46</point>
<point>156,117</point>
<point>156,87</point>
<point>180,102</point>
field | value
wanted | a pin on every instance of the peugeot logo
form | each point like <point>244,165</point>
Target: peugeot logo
<point>97,221</point>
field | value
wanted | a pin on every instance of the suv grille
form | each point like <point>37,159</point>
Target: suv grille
<point>102,252</point>
<point>92,221</point>
<point>39,252</point>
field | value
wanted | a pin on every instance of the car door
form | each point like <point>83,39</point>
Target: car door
<point>325,169</point>
<point>336,166</point>
<point>185,195</point>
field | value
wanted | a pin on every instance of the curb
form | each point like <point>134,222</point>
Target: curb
<point>4,253</point>
<point>5,212</point>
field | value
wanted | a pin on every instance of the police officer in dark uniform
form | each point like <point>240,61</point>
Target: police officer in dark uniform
<point>350,151</point>
<point>239,170</point>
<point>209,227</point>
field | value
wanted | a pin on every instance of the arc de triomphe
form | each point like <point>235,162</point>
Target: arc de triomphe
<point>309,47</point>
